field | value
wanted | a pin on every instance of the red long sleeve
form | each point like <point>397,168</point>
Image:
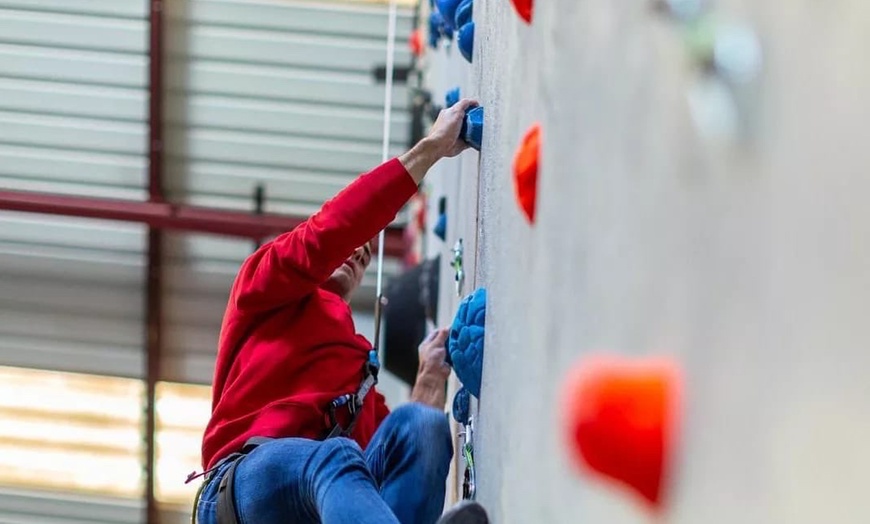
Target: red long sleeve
<point>287,346</point>
<point>295,263</point>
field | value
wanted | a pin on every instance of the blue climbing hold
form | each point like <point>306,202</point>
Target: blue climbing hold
<point>440,228</point>
<point>464,12</point>
<point>452,97</point>
<point>439,28</point>
<point>472,127</point>
<point>466,40</point>
<point>435,23</point>
<point>447,8</point>
<point>462,406</point>
<point>465,343</point>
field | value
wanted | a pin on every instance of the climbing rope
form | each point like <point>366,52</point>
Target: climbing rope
<point>385,154</point>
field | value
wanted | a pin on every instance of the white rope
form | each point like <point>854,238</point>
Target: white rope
<point>385,155</point>
<point>388,111</point>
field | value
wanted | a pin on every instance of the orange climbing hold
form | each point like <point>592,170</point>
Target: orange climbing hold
<point>415,42</point>
<point>526,171</point>
<point>524,9</point>
<point>621,420</point>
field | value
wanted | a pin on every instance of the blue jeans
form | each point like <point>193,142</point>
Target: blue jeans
<point>399,478</point>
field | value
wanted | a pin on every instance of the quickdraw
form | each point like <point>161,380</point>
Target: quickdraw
<point>469,487</point>
<point>462,415</point>
<point>457,264</point>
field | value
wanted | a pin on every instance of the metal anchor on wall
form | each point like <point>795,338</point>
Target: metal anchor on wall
<point>457,264</point>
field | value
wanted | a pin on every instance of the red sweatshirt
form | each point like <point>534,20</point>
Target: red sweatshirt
<point>288,347</point>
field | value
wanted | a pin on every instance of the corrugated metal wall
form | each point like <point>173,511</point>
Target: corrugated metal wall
<point>274,93</point>
<point>73,99</point>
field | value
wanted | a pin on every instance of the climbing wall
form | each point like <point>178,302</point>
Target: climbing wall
<point>702,197</point>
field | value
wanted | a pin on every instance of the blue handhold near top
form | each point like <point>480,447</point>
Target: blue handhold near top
<point>465,343</point>
<point>466,40</point>
<point>440,228</point>
<point>462,406</point>
<point>472,127</point>
<point>464,12</point>
<point>452,97</point>
<point>447,8</point>
<point>435,23</point>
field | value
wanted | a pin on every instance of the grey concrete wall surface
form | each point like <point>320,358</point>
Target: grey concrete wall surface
<point>745,256</point>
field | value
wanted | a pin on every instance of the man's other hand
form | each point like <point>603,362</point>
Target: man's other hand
<point>432,374</point>
<point>433,356</point>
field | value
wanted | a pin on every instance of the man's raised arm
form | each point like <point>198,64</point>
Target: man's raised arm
<point>296,263</point>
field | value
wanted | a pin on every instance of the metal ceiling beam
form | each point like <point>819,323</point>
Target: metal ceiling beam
<point>164,215</point>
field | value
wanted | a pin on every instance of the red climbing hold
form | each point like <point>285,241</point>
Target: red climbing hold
<point>621,420</point>
<point>415,42</point>
<point>524,9</point>
<point>526,171</point>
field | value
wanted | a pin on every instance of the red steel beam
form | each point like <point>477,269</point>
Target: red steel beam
<point>154,270</point>
<point>153,362</point>
<point>163,215</point>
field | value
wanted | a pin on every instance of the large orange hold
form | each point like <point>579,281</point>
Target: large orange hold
<point>621,420</point>
<point>526,162</point>
<point>524,9</point>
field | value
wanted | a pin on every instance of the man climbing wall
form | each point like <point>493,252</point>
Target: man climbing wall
<point>294,434</point>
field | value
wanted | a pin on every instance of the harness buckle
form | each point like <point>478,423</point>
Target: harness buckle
<point>354,401</point>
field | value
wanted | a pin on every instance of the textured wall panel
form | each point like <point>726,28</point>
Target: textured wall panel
<point>742,256</point>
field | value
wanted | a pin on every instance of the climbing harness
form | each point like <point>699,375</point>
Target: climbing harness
<point>354,401</point>
<point>226,507</point>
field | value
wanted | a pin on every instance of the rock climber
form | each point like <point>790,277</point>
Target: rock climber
<point>281,445</point>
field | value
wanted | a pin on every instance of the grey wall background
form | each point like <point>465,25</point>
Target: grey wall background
<point>278,93</point>
<point>743,256</point>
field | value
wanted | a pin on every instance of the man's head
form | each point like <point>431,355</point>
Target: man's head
<point>347,278</point>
